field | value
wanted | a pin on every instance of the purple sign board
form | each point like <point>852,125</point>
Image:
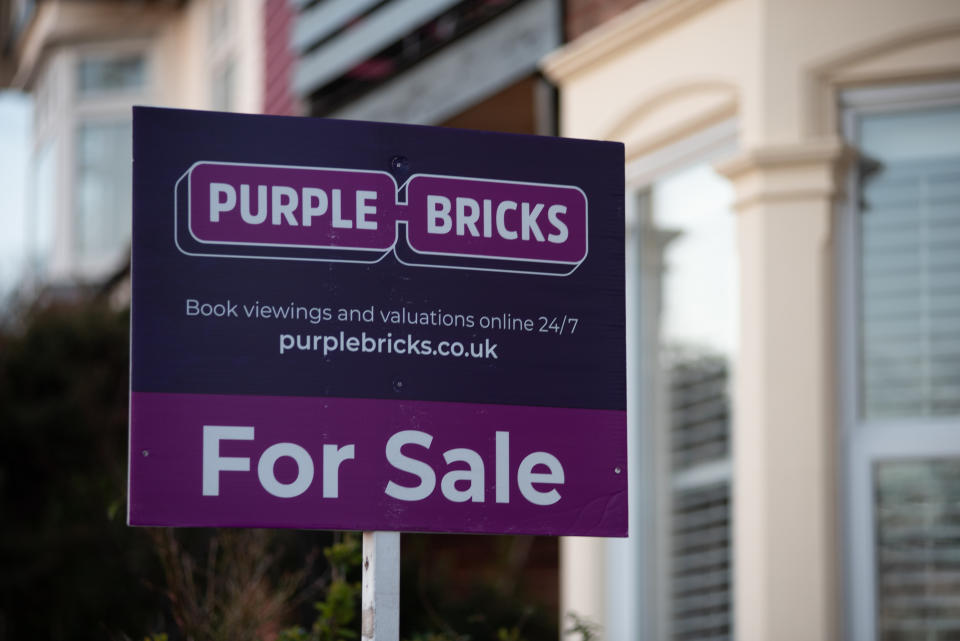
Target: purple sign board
<point>346,325</point>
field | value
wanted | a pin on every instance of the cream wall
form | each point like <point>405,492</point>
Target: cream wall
<point>812,47</point>
<point>674,63</point>
<point>628,81</point>
<point>185,51</point>
<point>670,68</point>
<point>251,56</point>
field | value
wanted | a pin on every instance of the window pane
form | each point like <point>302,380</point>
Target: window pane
<point>692,211</point>
<point>699,407</point>
<point>910,264</point>
<point>43,215</point>
<point>701,573</point>
<point>103,188</point>
<point>918,550</point>
<point>690,249</point>
<point>112,73</point>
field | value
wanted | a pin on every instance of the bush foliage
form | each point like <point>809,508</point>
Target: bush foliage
<point>70,568</point>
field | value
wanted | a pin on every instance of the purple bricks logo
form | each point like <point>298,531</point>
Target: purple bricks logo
<point>343,215</point>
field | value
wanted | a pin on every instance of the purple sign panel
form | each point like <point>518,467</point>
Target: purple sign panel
<point>309,463</point>
<point>343,325</point>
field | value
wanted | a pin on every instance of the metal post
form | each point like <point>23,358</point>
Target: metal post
<point>381,586</point>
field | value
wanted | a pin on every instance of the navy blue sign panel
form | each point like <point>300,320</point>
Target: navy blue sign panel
<point>523,313</point>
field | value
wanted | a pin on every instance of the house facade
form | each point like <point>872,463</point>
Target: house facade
<point>793,236</point>
<point>86,64</point>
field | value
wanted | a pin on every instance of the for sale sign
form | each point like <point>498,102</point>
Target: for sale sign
<point>346,325</point>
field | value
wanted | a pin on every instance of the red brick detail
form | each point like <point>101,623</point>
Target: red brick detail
<point>279,59</point>
<point>584,15</point>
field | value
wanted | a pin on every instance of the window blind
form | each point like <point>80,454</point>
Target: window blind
<point>700,552</point>
<point>910,273</point>
<point>918,549</point>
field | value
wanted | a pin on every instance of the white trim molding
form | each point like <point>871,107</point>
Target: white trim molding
<point>646,20</point>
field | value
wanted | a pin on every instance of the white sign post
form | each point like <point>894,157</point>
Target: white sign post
<point>380,594</point>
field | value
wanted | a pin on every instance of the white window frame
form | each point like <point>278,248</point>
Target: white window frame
<point>638,567</point>
<point>60,111</point>
<point>99,54</point>
<point>866,442</point>
<point>109,102</point>
<point>99,106</point>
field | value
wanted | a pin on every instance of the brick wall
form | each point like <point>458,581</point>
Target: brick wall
<point>278,98</point>
<point>583,15</point>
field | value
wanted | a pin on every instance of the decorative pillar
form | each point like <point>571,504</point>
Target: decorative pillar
<point>787,576</point>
